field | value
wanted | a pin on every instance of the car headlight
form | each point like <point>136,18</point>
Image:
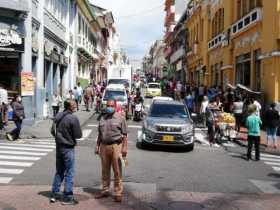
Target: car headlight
<point>187,129</point>
<point>149,126</point>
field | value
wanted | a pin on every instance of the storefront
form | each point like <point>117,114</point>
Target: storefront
<point>11,50</point>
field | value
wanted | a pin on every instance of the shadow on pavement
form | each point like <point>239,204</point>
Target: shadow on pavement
<point>79,197</point>
<point>274,175</point>
<point>154,148</point>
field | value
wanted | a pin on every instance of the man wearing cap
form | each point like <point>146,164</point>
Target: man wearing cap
<point>111,146</point>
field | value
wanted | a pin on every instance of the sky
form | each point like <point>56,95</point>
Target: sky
<point>139,23</point>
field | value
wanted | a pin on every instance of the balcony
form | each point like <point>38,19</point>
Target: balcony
<point>244,23</point>
<point>216,41</point>
<point>177,55</point>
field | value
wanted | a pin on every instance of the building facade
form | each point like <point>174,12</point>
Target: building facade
<point>232,42</point>
<point>47,46</point>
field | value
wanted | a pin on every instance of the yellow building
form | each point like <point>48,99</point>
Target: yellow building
<point>236,42</point>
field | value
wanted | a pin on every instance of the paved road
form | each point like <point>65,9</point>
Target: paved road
<point>204,170</point>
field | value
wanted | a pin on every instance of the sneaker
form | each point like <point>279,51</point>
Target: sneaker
<point>69,201</point>
<point>9,137</point>
<point>55,197</point>
<point>217,145</point>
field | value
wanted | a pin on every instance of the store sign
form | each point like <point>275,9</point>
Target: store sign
<point>10,40</point>
<point>27,84</point>
<point>9,37</point>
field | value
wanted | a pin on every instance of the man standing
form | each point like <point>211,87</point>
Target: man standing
<point>80,92</point>
<point>66,129</point>
<point>111,146</point>
<point>88,96</point>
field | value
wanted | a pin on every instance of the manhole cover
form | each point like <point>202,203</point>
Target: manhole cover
<point>183,205</point>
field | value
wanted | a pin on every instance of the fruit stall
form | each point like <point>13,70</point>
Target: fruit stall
<point>224,126</point>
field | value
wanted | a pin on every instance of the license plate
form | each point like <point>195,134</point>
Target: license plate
<point>168,138</point>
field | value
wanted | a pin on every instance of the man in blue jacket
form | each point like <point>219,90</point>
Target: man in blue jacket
<point>66,129</point>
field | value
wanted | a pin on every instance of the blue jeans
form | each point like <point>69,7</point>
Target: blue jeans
<point>273,133</point>
<point>15,133</point>
<point>65,170</point>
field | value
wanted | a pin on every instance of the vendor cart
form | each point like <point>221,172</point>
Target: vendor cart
<point>224,127</point>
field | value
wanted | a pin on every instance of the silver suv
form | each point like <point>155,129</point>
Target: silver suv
<point>167,123</point>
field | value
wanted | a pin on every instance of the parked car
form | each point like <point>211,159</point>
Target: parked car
<point>153,89</point>
<point>118,93</point>
<point>167,123</point>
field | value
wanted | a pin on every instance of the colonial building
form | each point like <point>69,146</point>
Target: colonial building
<point>233,42</point>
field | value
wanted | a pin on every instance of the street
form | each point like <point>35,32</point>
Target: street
<point>206,169</point>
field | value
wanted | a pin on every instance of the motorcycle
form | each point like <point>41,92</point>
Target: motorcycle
<point>138,112</point>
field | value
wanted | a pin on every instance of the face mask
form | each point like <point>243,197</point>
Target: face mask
<point>19,99</point>
<point>110,110</point>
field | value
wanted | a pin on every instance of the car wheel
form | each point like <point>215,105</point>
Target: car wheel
<point>141,145</point>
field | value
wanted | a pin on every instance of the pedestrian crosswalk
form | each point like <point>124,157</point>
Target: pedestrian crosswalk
<point>18,156</point>
<point>271,160</point>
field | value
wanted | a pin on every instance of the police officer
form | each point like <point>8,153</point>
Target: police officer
<point>111,145</point>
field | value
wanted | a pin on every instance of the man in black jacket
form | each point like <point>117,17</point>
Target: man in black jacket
<point>66,129</point>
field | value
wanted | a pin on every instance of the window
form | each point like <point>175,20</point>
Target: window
<point>243,70</point>
<point>168,110</point>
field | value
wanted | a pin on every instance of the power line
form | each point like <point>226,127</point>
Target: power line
<point>141,13</point>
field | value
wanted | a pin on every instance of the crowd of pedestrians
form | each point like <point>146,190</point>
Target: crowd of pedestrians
<point>239,102</point>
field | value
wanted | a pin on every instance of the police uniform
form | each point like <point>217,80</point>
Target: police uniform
<point>111,130</point>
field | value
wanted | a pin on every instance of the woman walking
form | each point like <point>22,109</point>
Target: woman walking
<point>18,116</point>
<point>272,121</point>
<point>56,101</point>
<point>237,111</point>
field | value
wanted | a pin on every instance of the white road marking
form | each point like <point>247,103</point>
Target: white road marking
<point>29,145</point>
<point>23,153</point>
<point>270,159</point>
<point>10,171</point>
<point>229,144</point>
<point>5,180</point>
<point>276,168</point>
<point>86,133</point>
<point>201,138</point>
<point>10,157</point>
<point>129,126</point>
<point>267,186</point>
<point>17,147</point>
<point>268,155</point>
<point>19,164</point>
<point>42,143</point>
<point>272,163</point>
<point>92,125</point>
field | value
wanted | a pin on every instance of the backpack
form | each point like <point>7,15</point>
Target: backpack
<point>56,124</point>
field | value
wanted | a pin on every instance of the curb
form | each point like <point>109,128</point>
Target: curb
<point>26,136</point>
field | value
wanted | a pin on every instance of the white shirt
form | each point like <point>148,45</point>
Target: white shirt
<point>3,96</point>
<point>259,107</point>
<point>204,106</point>
<point>56,100</point>
<point>179,87</point>
<point>238,107</point>
<point>79,90</point>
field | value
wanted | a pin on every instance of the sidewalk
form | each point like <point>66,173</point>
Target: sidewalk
<point>242,140</point>
<point>37,197</point>
<point>41,129</point>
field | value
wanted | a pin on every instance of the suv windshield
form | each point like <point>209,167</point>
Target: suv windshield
<point>114,95</point>
<point>168,110</point>
<point>154,86</point>
<point>119,82</point>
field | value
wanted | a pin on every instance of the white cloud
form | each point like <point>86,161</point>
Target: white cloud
<point>139,22</point>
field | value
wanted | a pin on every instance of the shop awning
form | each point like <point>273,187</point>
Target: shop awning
<point>17,5</point>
